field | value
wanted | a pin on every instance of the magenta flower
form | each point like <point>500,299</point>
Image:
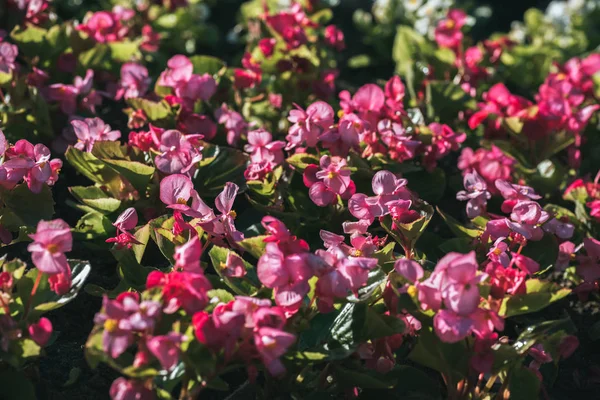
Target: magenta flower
<point>197,87</point>
<point>176,191</point>
<point>117,335</point>
<point>166,349</point>
<point>181,290</point>
<point>234,266</point>
<point>187,256</point>
<point>460,281</point>
<point>41,331</point>
<point>126,221</point>
<point>451,327</point>
<point>409,269</point>
<point>448,31</point>
<point>387,188</point>
<point>179,70</point>
<point>340,276</point>
<point>267,46</point>
<point>50,243</point>
<point>178,154</point>
<point>498,253</point>
<point>92,130</point>
<point>330,179</point>
<point>271,344</point>
<point>134,81</point>
<point>233,122</point>
<point>367,103</point>
<point>104,27</point>
<point>8,55</point>
<point>525,263</point>
<point>224,223</point>
<point>491,165</point>
<point>334,37</point>
<point>124,389</point>
<point>262,148</point>
<point>476,193</point>
<point>514,193</point>
<point>309,125</point>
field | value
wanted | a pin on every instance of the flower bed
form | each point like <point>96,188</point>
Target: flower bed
<point>270,225</point>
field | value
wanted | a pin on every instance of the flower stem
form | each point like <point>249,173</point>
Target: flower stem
<point>38,279</point>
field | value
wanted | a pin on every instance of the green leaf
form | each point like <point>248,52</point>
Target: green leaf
<point>28,207</point>
<point>254,245</point>
<point>162,234</point>
<point>94,225</point>
<point>45,299</point>
<point>207,64</point>
<point>136,173</point>
<point>155,111</point>
<point>450,359</point>
<point>458,229</point>
<point>446,99</point>
<point>523,384</point>
<point>365,379</point>
<point>409,47</point>
<point>302,160</point>
<point>218,256</point>
<point>94,169</point>
<point>28,38</point>
<point>98,57</point>
<point>357,323</point>
<point>540,294</point>
<point>125,50</point>
<point>96,198</point>
<point>226,165</point>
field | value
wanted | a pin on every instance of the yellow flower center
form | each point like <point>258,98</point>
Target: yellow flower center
<point>181,201</point>
<point>233,214</point>
<point>110,325</point>
<point>331,175</point>
<point>340,113</point>
<point>52,248</point>
<point>412,291</point>
<point>450,24</point>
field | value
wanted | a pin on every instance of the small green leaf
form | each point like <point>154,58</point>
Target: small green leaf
<point>254,245</point>
<point>302,160</point>
<point>540,294</point>
<point>458,229</point>
<point>207,64</point>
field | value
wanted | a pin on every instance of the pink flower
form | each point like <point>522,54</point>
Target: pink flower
<point>126,221</point>
<point>257,171</point>
<point>124,389</point>
<point>448,31</point>
<point>334,37</point>
<point>476,193</point>
<point>181,290</point>
<point>234,266</point>
<point>263,148</point>
<point>134,81</point>
<point>490,165</point>
<point>459,282</point>
<point>331,180</point>
<point>104,27</point>
<point>497,252</point>
<point>525,263</point>
<point>92,130</point>
<point>187,256</point>
<point>409,269</point>
<point>514,193</point>
<point>387,188</point>
<point>179,70</point>
<point>41,331</point>
<point>51,240</point>
<point>8,55</point>
<point>562,230</point>
<point>505,280</point>
<point>117,335</point>
<point>340,276</point>
<point>166,349</point>
<point>60,283</point>
<point>150,39</point>
<point>267,46</point>
<point>176,191</point>
<point>443,140</point>
<point>451,327</point>
<point>271,344</point>
<point>233,122</point>
<point>309,125</point>
<point>197,87</point>
<point>594,209</point>
<point>178,153</point>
